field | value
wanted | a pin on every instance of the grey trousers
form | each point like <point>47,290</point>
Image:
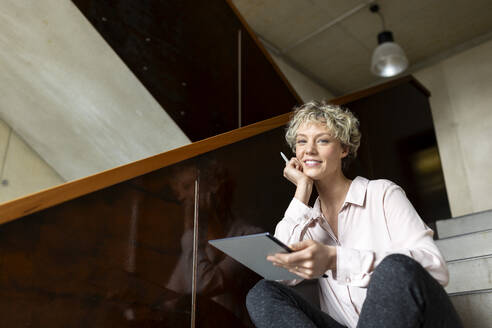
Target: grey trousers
<point>401,294</point>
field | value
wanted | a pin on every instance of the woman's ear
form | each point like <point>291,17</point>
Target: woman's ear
<point>345,151</point>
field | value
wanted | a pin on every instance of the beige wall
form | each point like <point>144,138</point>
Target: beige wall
<point>22,170</point>
<point>461,103</point>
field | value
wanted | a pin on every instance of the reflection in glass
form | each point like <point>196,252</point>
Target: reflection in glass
<point>102,260</point>
<point>241,192</point>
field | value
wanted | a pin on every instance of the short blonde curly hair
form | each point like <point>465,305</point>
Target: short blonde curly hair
<point>341,122</point>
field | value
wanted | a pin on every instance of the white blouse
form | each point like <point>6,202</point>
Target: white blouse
<point>376,220</point>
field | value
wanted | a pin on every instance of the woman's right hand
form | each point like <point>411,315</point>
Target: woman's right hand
<point>293,172</point>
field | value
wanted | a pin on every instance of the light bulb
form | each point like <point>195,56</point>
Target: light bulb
<point>388,59</point>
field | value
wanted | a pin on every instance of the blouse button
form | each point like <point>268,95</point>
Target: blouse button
<point>347,280</point>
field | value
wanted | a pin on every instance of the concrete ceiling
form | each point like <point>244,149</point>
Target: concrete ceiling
<point>339,57</point>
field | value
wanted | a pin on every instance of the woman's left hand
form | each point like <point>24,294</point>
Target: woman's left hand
<point>309,260</point>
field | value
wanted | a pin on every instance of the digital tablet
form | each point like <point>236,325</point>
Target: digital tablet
<point>252,250</point>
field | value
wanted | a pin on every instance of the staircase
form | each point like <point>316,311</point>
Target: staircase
<point>466,244</point>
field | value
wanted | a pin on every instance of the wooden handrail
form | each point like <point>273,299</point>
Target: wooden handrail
<point>43,199</point>
<point>56,195</point>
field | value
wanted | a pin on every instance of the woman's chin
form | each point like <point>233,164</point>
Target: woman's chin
<point>313,176</point>
<point>317,175</point>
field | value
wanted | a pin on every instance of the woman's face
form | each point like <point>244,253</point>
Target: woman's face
<point>320,154</point>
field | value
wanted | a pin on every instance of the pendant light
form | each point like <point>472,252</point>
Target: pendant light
<point>388,59</point>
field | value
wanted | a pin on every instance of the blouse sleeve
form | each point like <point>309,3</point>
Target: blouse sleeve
<point>409,236</point>
<point>294,226</point>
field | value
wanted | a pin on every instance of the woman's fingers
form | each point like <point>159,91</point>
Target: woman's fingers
<point>310,258</point>
<point>302,273</point>
<point>294,162</point>
<point>302,244</point>
<point>299,269</point>
<point>293,171</point>
<point>291,260</point>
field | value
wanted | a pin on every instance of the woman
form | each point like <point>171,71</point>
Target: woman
<point>383,267</point>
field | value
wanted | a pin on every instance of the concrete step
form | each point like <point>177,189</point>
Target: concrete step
<point>470,274</point>
<point>474,309</point>
<point>466,246</point>
<point>465,224</point>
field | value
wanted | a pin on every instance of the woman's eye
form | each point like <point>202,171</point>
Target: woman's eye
<point>324,141</point>
<point>301,141</point>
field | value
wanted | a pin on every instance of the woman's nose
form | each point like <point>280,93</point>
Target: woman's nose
<point>311,148</point>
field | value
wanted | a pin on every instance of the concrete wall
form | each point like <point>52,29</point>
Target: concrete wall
<point>306,88</point>
<point>70,97</point>
<point>22,171</point>
<point>461,102</point>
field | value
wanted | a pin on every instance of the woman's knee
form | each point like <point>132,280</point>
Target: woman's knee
<point>261,298</point>
<point>261,291</point>
<point>400,263</point>
<point>398,268</point>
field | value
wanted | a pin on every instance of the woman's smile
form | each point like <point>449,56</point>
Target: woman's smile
<point>312,163</point>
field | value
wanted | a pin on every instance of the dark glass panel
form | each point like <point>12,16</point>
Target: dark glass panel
<point>242,191</point>
<point>264,93</point>
<point>113,258</point>
<point>183,51</point>
<point>397,131</point>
